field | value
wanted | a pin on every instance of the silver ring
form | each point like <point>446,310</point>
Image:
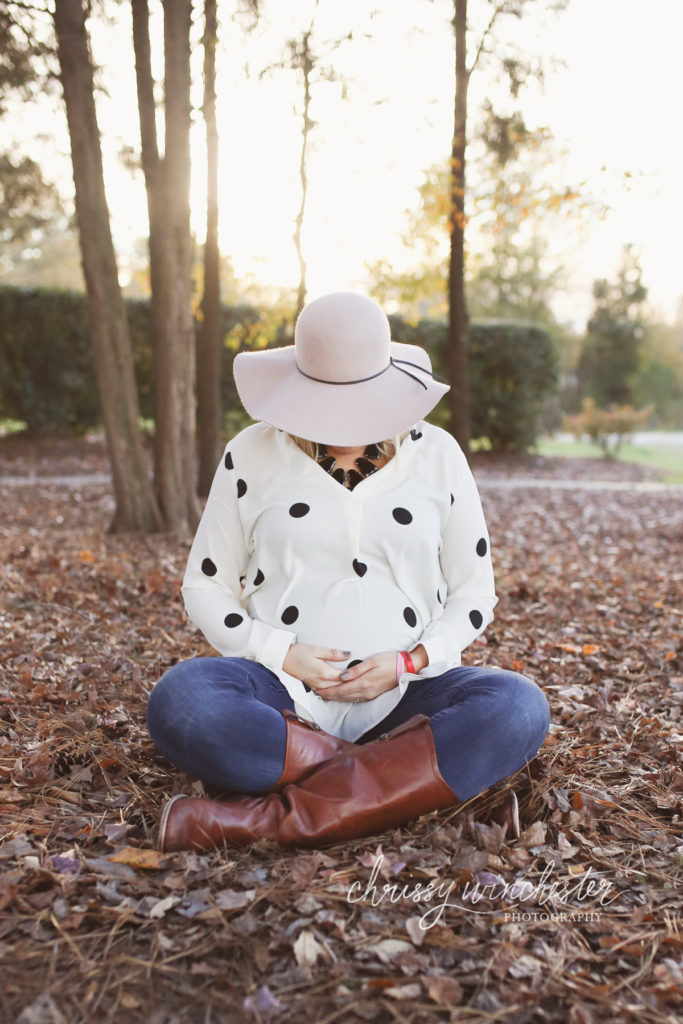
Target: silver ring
<point>356,700</point>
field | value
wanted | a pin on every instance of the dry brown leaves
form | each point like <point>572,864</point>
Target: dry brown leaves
<point>577,921</point>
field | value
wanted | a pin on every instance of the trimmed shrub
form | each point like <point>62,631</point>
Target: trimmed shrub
<point>47,373</point>
<point>514,371</point>
<point>47,377</point>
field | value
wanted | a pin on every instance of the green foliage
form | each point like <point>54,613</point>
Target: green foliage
<point>659,378</point>
<point>608,428</point>
<point>513,373</point>
<point>28,203</point>
<point>46,368</point>
<point>515,205</point>
<point>611,349</point>
<point>47,373</point>
<point>22,63</point>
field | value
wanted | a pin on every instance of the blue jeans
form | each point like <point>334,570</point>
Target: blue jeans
<point>218,719</point>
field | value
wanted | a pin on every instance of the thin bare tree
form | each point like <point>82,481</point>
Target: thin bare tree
<point>310,61</point>
<point>209,352</point>
<point>136,507</point>
<point>167,181</point>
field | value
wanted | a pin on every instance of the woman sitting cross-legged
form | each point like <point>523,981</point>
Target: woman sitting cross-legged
<point>341,566</point>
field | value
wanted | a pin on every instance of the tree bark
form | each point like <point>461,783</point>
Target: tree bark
<point>458,319</point>
<point>209,355</point>
<point>307,65</point>
<point>136,508</point>
<point>168,201</point>
<point>153,171</point>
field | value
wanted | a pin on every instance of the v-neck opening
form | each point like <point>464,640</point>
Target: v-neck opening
<point>380,474</point>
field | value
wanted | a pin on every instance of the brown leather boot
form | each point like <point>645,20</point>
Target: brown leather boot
<point>381,784</point>
<point>506,812</point>
<point>307,746</point>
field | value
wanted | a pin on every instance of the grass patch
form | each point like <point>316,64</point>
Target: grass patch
<point>669,460</point>
<point>8,427</point>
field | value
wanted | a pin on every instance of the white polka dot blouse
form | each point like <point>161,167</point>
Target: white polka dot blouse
<point>284,553</point>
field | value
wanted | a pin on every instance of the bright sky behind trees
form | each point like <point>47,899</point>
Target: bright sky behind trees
<point>612,109</point>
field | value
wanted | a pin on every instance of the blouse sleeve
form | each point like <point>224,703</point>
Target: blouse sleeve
<point>465,559</point>
<point>212,588</point>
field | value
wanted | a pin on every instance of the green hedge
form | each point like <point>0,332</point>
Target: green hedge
<point>47,377</point>
<point>513,373</point>
<point>47,374</point>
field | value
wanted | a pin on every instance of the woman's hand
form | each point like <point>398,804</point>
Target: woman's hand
<point>307,663</point>
<point>364,681</point>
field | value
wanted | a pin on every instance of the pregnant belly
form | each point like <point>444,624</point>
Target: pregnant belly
<point>351,615</point>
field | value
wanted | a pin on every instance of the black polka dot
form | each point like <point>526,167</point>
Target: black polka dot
<point>360,567</point>
<point>233,620</point>
<point>410,616</point>
<point>228,461</point>
<point>452,499</point>
<point>402,515</point>
<point>209,567</point>
<point>307,688</point>
<point>290,615</point>
<point>438,597</point>
<point>299,509</point>
<point>416,434</point>
<point>482,547</point>
<point>241,488</point>
<point>476,618</point>
<point>356,661</point>
<point>258,578</point>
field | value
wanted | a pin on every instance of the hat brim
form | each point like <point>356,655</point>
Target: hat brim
<point>272,389</point>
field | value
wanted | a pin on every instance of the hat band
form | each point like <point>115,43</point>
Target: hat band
<point>392,362</point>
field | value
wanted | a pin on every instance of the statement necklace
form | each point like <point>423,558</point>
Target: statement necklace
<point>365,465</point>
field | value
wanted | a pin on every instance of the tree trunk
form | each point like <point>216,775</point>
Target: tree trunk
<point>153,171</point>
<point>209,355</point>
<point>457,319</point>
<point>136,508</point>
<point>307,64</point>
<point>168,187</point>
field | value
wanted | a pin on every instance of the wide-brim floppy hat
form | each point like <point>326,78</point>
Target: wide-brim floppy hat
<point>343,381</point>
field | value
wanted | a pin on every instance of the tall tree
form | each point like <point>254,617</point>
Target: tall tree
<point>516,70</point>
<point>136,508</point>
<point>610,353</point>
<point>167,181</point>
<point>457,304</point>
<point>517,204</point>
<point>209,354</point>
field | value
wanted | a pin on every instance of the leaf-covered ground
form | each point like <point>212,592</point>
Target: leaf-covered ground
<point>95,925</point>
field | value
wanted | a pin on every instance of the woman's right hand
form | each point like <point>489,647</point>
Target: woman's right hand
<point>308,663</point>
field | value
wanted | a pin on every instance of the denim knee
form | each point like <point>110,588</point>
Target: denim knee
<point>527,710</point>
<point>168,696</point>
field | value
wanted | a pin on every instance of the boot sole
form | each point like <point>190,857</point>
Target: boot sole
<point>164,819</point>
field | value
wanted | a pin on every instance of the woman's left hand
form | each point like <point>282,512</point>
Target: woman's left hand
<point>364,681</point>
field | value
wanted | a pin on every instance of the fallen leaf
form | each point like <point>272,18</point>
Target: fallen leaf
<point>307,949</point>
<point>233,899</point>
<point>149,860</point>
<point>443,990</point>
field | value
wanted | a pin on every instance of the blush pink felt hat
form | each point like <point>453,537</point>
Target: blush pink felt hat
<point>343,381</point>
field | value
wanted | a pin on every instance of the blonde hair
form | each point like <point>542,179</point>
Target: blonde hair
<point>387,448</point>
